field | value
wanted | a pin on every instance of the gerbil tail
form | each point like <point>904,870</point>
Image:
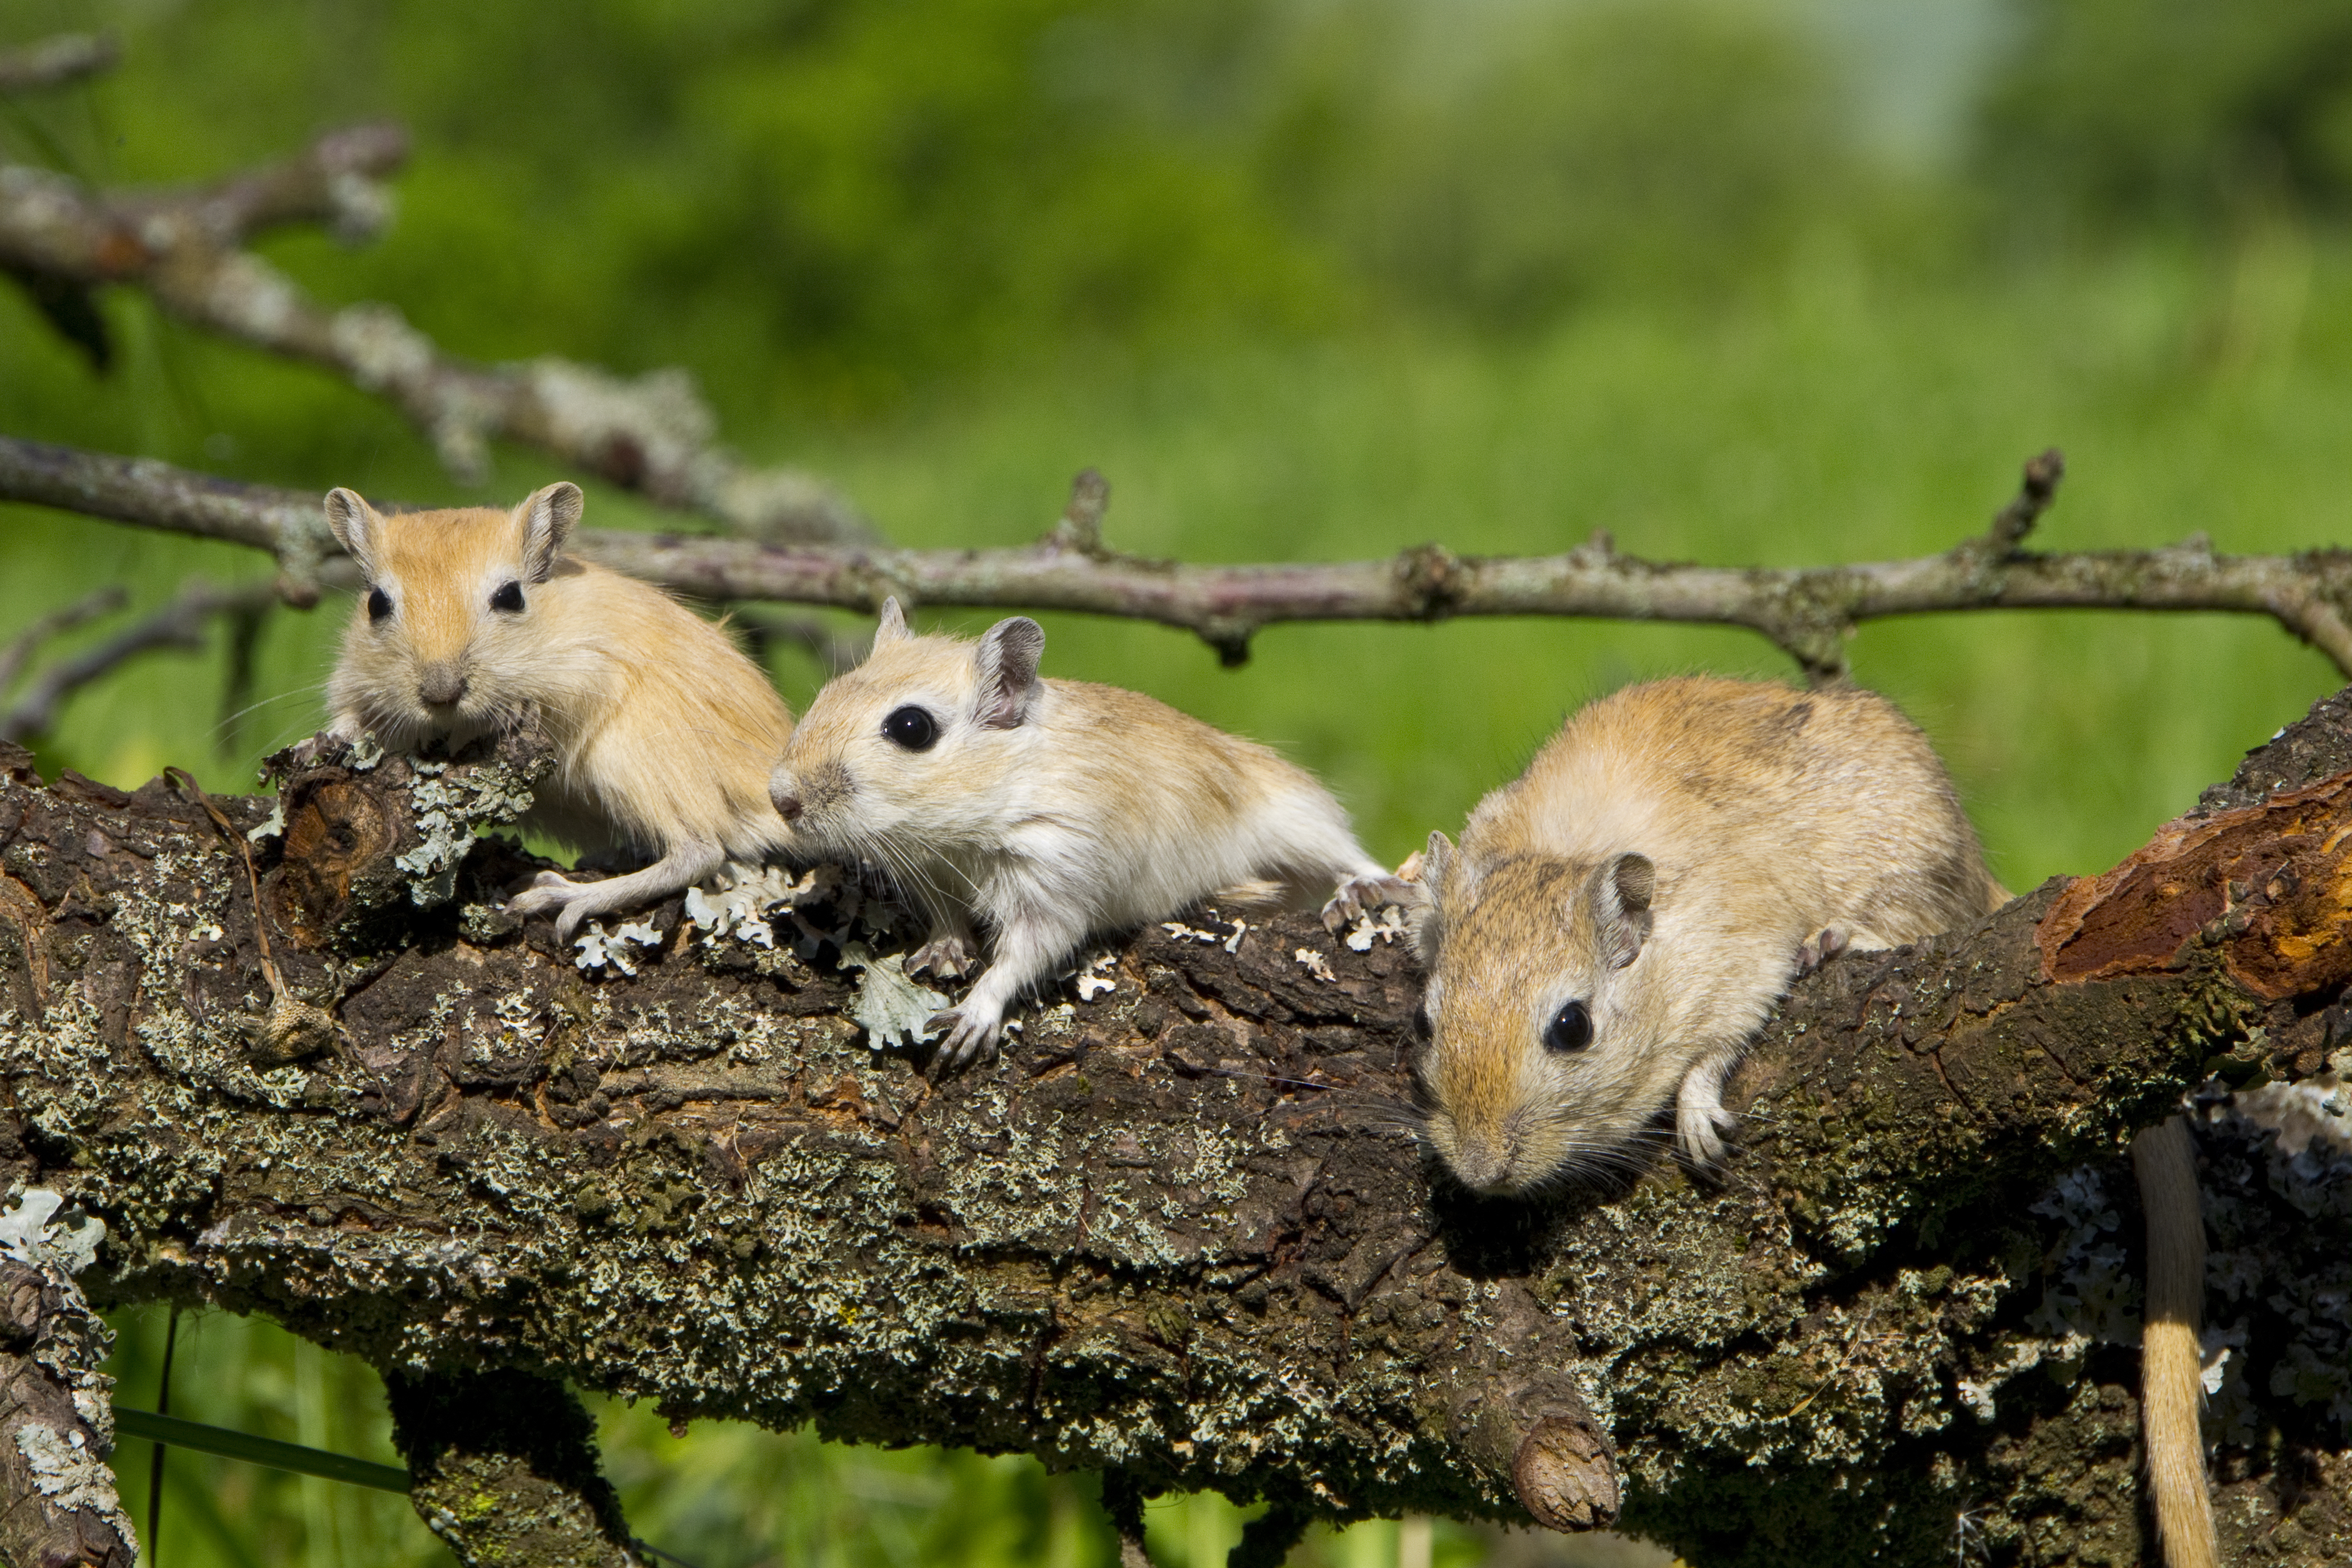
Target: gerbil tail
<point>2165,1156</point>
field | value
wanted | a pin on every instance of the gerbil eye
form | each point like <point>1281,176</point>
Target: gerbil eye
<point>379,604</point>
<point>1570,1028</point>
<point>508,598</point>
<point>913,727</point>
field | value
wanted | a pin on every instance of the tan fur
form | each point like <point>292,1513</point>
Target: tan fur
<point>665,731</point>
<point>2171,1390</point>
<point>1668,860</point>
<point>1049,810</point>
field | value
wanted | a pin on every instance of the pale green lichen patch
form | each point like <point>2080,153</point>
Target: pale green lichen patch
<point>451,807</point>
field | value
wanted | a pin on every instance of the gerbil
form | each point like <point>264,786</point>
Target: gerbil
<point>473,620</point>
<point>1618,922</point>
<point>1048,810</point>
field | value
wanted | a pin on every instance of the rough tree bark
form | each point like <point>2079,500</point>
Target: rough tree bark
<point>1180,1233</point>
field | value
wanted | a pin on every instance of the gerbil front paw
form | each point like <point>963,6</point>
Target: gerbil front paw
<point>1359,893</point>
<point>971,1035</point>
<point>948,957</point>
<point>1819,948</point>
<point>1699,1131</point>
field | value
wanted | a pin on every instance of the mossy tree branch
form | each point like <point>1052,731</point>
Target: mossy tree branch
<point>1807,612</point>
<point>1179,1232</point>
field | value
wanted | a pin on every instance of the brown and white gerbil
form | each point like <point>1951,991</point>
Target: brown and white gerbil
<point>664,732</point>
<point>1048,810</point>
<point>1618,922</point>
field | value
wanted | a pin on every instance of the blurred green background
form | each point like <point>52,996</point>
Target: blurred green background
<point>1784,282</point>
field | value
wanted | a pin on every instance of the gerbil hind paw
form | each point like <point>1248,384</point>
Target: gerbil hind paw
<point>548,890</point>
<point>1361,892</point>
<point>969,1036</point>
<point>551,891</point>
<point>1819,948</point>
<point>948,957</point>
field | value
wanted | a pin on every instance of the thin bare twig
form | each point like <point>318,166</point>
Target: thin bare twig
<point>653,433</point>
<point>55,61</point>
<point>27,643</point>
<point>180,623</point>
<point>1807,612</point>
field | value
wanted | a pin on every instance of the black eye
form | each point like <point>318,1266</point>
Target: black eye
<point>1570,1028</point>
<point>508,598</point>
<point>1420,1022</point>
<point>379,604</point>
<point>913,727</point>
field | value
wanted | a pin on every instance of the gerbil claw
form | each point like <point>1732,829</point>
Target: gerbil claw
<point>948,957</point>
<point>1819,948</point>
<point>549,891</point>
<point>967,1040</point>
<point>1700,1132</point>
<point>1359,893</point>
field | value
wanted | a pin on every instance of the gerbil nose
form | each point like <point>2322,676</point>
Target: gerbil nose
<point>1482,1164</point>
<point>441,685</point>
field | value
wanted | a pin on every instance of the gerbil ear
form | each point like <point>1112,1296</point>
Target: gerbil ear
<point>1621,893</point>
<point>1006,663</point>
<point>548,516</point>
<point>890,625</point>
<point>1436,862</point>
<point>354,523</point>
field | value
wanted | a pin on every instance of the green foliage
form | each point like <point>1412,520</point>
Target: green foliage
<point>2128,110</point>
<point>1595,150</point>
<point>250,1376</point>
<point>820,205</point>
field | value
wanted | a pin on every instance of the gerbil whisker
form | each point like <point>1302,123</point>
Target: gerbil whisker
<point>229,720</point>
<point>912,886</point>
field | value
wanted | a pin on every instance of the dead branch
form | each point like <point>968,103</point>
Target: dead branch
<point>180,623</point>
<point>653,433</point>
<point>56,61</point>
<point>1807,612</point>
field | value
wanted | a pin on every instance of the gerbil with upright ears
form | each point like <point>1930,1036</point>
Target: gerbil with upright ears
<point>474,618</point>
<point>1618,922</point>
<point>1048,810</point>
